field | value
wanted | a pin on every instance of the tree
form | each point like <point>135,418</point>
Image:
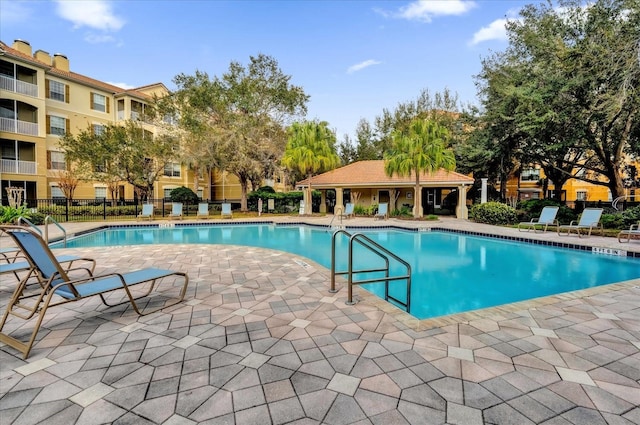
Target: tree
<point>419,148</point>
<point>310,149</point>
<point>121,153</point>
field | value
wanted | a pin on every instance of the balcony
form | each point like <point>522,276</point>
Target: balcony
<point>21,127</point>
<point>11,84</point>
<point>17,167</point>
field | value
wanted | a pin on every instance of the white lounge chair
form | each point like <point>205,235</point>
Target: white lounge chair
<point>147,212</point>
<point>589,220</point>
<point>382,211</point>
<point>176,210</point>
<point>203,210</point>
<point>632,233</point>
<point>348,211</point>
<point>547,218</point>
<point>226,210</point>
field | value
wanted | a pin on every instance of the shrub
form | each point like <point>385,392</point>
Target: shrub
<point>183,194</point>
<point>404,211</point>
<point>631,216</point>
<point>360,210</point>
<point>493,213</point>
<point>612,221</point>
<point>10,215</point>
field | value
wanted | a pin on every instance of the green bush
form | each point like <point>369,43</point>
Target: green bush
<point>493,213</point>
<point>630,216</point>
<point>612,221</point>
<point>402,212</point>
<point>183,194</point>
<point>360,210</point>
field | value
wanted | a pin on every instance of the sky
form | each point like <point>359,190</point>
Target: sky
<point>353,58</point>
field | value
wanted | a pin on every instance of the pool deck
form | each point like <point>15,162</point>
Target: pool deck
<point>260,340</point>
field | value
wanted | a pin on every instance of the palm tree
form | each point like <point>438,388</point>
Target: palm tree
<point>310,149</point>
<point>419,148</point>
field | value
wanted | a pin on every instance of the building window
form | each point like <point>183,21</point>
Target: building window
<point>530,174</point>
<point>99,102</point>
<point>98,129</point>
<point>172,169</point>
<point>56,192</point>
<point>57,125</point>
<point>101,192</point>
<point>581,195</point>
<point>56,160</point>
<point>167,193</point>
<point>57,90</point>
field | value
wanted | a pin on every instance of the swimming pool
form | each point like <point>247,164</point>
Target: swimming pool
<point>452,272</point>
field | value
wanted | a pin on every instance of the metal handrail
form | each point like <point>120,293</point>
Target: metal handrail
<point>381,252</point>
<point>615,202</point>
<point>334,217</point>
<point>33,226</point>
<point>48,219</point>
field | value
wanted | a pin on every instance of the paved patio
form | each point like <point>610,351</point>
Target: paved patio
<point>260,340</point>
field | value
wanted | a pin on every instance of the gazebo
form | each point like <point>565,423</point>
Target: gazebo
<point>372,185</point>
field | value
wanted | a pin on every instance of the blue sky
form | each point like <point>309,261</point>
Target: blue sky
<point>354,58</point>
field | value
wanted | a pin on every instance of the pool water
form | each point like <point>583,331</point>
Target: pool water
<point>451,273</point>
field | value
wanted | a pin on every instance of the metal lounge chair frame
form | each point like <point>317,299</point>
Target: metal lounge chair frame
<point>176,210</point>
<point>547,218</point>
<point>226,210</point>
<point>382,213</point>
<point>20,266</point>
<point>57,287</point>
<point>147,212</point>
<point>589,219</point>
<point>632,233</point>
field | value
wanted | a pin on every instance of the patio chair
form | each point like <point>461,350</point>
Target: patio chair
<point>147,212</point>
<point>21,266</point>
<point>547,218</point>
<point>589,219</point>
<point>382,212</point>
<point>203,210</point>
<point>58,287</point>
<point>176,210</point>
<point>632,233</point>
<point>226,210</point>
<point>348,211</point>
<point>9,254</point>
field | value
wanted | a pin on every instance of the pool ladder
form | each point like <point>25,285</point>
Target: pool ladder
<point>48,219</point>
<point>381,252</point>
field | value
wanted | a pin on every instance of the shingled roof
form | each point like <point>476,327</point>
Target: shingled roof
<point>371,174</point>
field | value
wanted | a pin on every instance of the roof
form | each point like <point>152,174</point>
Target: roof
<point>372,174</point>
<point>51,70</point>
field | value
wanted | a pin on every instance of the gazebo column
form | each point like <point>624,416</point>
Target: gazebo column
<point>323,201</point>
<point>461,210</point>
<point>339,200</point>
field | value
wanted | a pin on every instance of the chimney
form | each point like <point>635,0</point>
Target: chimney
<point>43,56</point>
<point>60,62</point>
<point>22,46</point>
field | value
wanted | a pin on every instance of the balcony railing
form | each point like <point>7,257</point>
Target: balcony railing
<point>17,167</point>
<point>20,127</point>
<point>17,86</point>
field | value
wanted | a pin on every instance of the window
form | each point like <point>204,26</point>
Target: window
<point>530,174</point>
<point>57,91</point>
<point>56,192</point>
<point>56,161</point>
<point>101,192</point>
<point>57,125</point>
<point>581,195</point>
<point>99,102</point>
<point>98,129</point>
<point>167,193</point>
<point>172,169</point>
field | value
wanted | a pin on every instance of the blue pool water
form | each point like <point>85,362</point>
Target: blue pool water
<point>452,273</point>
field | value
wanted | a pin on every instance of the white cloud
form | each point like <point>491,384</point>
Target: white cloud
<point>496,30</point>
<point>426,10</point>
<point>362,65</point>
<point>124,86</point>
<point>97,38</point>
<point>96,14</point>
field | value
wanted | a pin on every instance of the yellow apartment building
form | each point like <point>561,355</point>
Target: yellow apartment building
<point>41,99</point>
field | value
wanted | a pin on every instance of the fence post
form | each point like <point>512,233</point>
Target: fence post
<point>66,210</point>
<point>104,209</point>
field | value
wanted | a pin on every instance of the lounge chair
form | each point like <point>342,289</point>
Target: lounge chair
<point>176,210</point>
<point>382,211</point>
<point>547,218</point>
<point>147,212</point>
<point>9,254</point>
<point>21,266</point>
<point>226,210</point>
<point>348,211</point>
<point>58,287</point>
<point>203,210</point>
<point>589,219</point>
<point>632,233</point>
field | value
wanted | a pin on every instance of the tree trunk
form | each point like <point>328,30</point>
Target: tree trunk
<point>417,206</point>
<point>244,183</point>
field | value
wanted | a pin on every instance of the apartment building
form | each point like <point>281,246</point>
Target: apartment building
<point>41,99</point>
